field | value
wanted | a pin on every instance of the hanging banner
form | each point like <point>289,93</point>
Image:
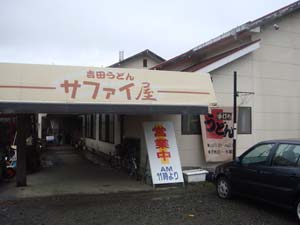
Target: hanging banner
<point>217,134</point>
<point>163,153</point>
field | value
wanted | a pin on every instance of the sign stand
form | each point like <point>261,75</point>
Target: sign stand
<point>163,153</point>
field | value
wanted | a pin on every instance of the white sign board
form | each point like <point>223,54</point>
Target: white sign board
<point>217,134</point>
<point>163,153</point>
<point>26,83</point>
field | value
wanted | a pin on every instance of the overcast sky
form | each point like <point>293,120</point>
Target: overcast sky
<point>91,32</point>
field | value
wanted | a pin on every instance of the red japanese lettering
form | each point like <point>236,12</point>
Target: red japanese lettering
<point>120,76</point>
<point>146,93</point>
<point>159,131</point>
<point>161,143</point>
<point>90,74</point>
<point>96,87</point>
<point>74,87</point>
<point>110,75</point>
<point>100,75</point>
<point>109,92</point>
<point>163,155</point>
<point>127,89</point>
<point>129,77</point>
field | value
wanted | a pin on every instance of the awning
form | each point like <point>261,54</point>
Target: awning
<point>28,88</point>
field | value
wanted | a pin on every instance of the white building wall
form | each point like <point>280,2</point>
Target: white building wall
<point>223,84</point>
<point>189,146</point>
<point>272,72</point>
<point>276,68</point>
<point>100,146</point>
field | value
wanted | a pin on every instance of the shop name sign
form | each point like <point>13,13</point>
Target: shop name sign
<point>217,134</point>
<point>69,84</point>
<point>163,153</point>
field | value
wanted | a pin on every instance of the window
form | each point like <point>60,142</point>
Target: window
<point>83,126</point>
<point>106,127</point>
<point>287,155</point>
<point>258,155</point>
<point>145,63</point>
<point>190,124</point>
<point>100,127</point>
<point>111,128</point>
<point>106,138</point>
<point>88,126</point>
<point>93,126</point>
<point>244,120</point>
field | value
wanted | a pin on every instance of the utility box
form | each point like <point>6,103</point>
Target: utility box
<point>194,176</point>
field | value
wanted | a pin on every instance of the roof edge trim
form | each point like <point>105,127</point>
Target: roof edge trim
<point>228,59</point>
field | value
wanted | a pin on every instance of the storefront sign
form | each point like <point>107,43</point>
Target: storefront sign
<point>163,153</point>
<point>25,83</point>
<point>217,134</point>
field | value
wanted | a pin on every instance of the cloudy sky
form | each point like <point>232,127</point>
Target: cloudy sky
<point>91,32</point>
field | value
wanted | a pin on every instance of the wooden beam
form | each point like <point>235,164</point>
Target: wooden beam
<point>22,126</point>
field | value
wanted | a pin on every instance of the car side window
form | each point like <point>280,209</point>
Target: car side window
<point>286,155</point>
<point>258,155</point>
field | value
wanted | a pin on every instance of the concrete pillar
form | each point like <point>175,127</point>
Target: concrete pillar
<point>40,120</point>
<point>22,126</point>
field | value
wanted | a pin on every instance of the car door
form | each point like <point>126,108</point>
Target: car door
<point>246,177</point>
<point>282,178</point>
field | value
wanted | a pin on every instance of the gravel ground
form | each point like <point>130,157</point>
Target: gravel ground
<point>195,204</point>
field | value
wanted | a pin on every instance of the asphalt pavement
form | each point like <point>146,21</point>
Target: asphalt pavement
<point>194,204</point>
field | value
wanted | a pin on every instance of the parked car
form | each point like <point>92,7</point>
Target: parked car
<point>269,171</point>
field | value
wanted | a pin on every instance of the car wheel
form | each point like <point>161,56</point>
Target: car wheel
<point>298,208</point>
<point>224,188</point>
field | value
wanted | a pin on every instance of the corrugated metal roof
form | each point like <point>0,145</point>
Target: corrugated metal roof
<point>217,57</point>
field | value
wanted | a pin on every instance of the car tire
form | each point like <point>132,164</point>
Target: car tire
<point>224,188</point>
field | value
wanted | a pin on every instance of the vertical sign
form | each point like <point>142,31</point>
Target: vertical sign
<point>217,134</point>
<point>163,153</point>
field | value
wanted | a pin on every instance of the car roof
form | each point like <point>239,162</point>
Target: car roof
<point>285,141</point>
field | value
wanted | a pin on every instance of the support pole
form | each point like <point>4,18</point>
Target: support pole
<point>121,129</point>
<point>235,95</point>
<point>21,151</point>
<point>34,130</point>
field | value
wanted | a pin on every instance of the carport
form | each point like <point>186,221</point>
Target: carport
<point>27,89</point>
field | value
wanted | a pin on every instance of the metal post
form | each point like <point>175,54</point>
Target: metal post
<point>34,130</point>
<point>235,94</point>
<point>21,151</point>
<point>122,129</point>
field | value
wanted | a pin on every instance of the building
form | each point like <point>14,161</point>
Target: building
<point>100,99</point>
<point>142,60</point>
<point>103,131</point>
<point>265,53</point>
